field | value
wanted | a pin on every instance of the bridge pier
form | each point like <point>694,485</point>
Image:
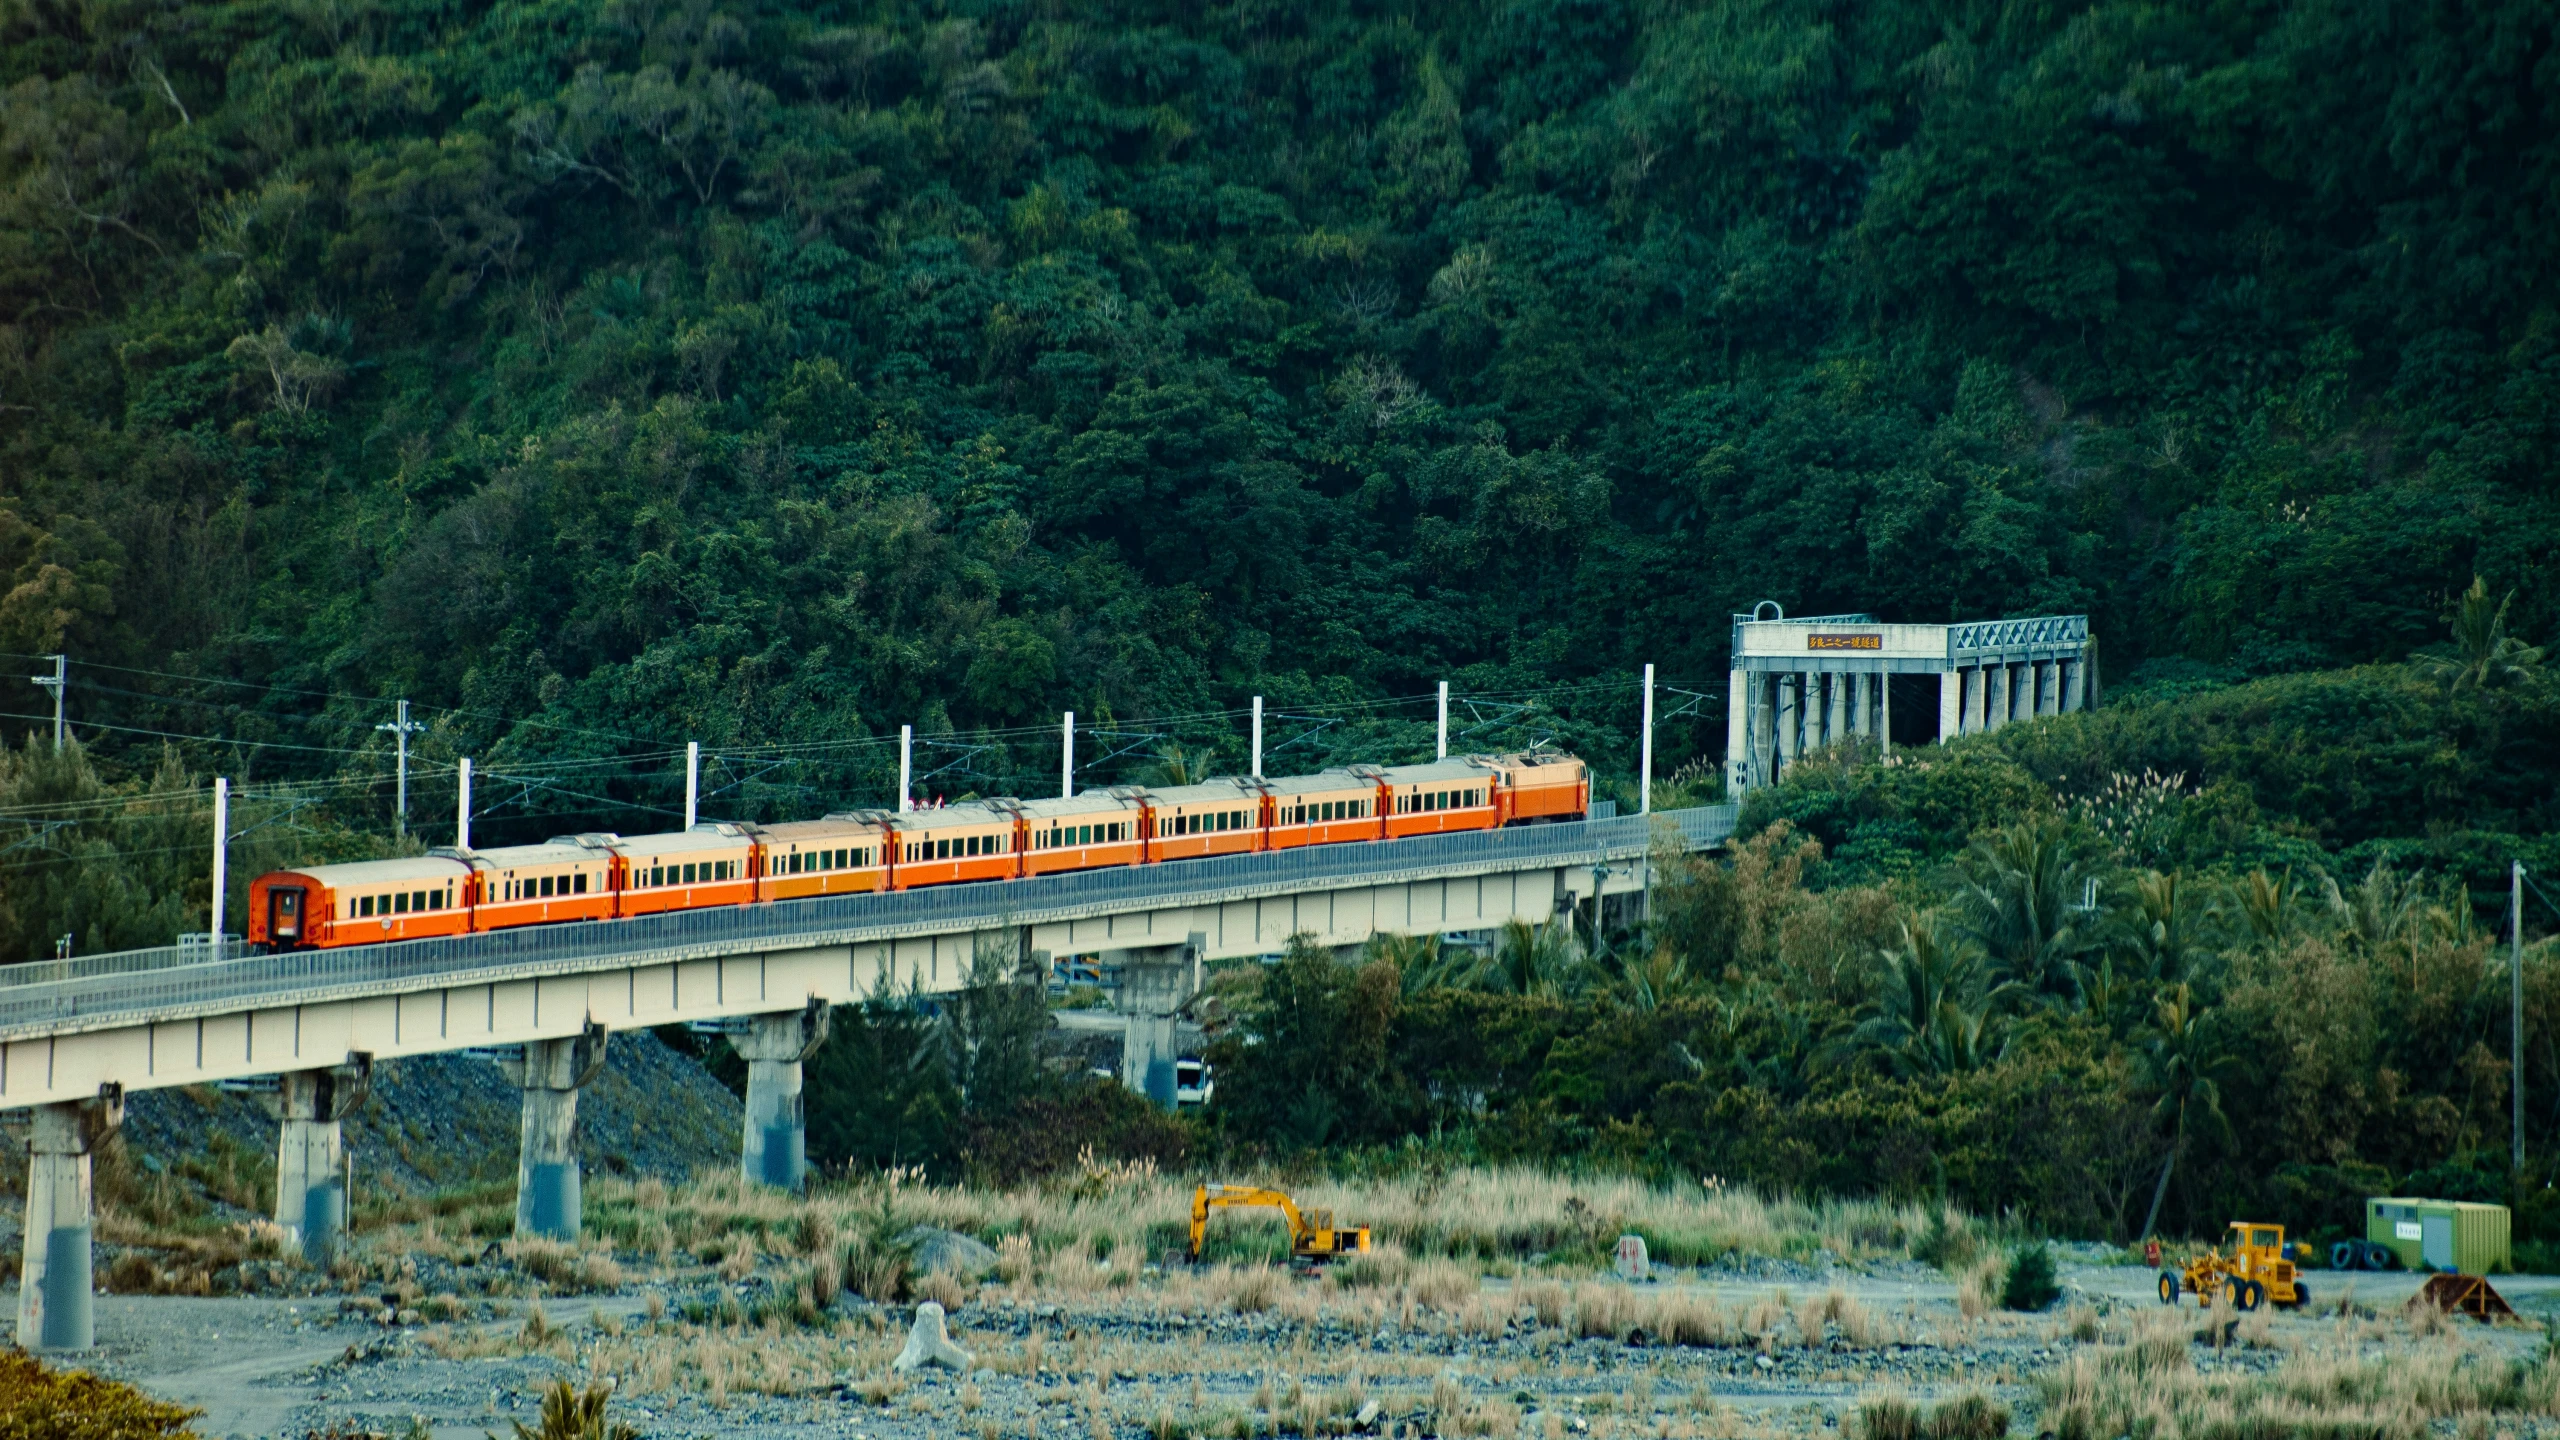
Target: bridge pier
<point>1155,984</point>
<point>54,1276</point>
<point>551,1074</point>
<point>775,1148</point>
<point>311,1157</point>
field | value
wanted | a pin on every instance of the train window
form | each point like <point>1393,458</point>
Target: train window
<point>578,885</point>
<point>400,904</point>
<point>684,874</point>
<point>364,906</point>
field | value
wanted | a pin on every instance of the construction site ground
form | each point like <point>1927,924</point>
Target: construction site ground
<point>1224,1353</point>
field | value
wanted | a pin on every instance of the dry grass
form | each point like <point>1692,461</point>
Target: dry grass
<point>2364,1381</point>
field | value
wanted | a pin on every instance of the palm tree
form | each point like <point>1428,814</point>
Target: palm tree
<point>1646,985</point>
<point>2166,931</point>
<point>2022,902</point>
<point>2183,1063</point>
<point>1932,1012</point>
<point>1176,765</point>
<point>2482,655</point>
<point>1530,959</point>
<point>1426,964</point>
<point>2273,907</point>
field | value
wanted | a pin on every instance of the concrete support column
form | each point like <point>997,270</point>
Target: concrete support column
<point>54,1279</point>
<point>2049,688</point>
<point>2074,697</point>
<point>1861,705</point>
<point>1950,705</point>
<point>552,1072</point>
<point>1764,728</point>
<point>311,1156</point>
<point>1790,724</point>
<point>1977,699</point>
<point>776,1147</point>
<point>1737,733</point>
<point>1835,713</point>
<point>1997,711</point>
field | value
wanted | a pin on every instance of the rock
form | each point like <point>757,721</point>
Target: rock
<point>982,1376</point>
<point>1764,1362</point>
<point>935,1251</point>
<point>1633,1263</point>
<point>1368,1415</point>
<point>929,1343</point>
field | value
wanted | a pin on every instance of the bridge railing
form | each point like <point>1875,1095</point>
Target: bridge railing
<point>131,981</point>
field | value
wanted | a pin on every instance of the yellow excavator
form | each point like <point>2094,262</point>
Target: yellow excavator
<point>1313,1237</point>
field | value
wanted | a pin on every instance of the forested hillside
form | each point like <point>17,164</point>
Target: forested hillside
<point>601,376</point>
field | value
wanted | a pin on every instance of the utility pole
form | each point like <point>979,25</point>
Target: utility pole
<point>692,779</point>
<point>906,767</point>
<point>462,809</point>
<point>221,855</point>
<point>56,682</point>
<point>1067,758</point>
<point>1644,767</point>
<point>1257,737</point>
<point>1441,750</point>
<point>401,730</point>
<point>2515,1032</point>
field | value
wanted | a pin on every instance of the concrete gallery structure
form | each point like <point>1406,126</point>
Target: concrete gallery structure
<point>1799,685</point>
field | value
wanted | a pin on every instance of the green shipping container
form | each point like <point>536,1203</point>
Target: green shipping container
<point>2451,1235</point>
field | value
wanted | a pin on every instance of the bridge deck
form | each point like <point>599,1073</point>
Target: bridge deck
<point>101,992</point>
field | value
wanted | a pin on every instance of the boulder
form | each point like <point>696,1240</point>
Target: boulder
<point>929,1343</point>
<point>935,1251</point>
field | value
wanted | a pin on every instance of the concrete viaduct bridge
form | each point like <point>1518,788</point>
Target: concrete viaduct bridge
<point>77,1036</point>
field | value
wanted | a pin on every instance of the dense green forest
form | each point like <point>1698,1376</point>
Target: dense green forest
<point>599,377</point>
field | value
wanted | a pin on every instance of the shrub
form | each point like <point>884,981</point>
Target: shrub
<point>2030,1285</point>
<point>71,1405</point>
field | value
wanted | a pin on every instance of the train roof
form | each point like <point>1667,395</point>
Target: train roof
<point>1459,768</point>
<point>709,836</point>
<point>1226,790</point>
<point>967,816</point>
<point>563,851</point>
<point>385,872</point>
<point>790,831</point>
<point>1325,782</point>
<point>1091,802</point>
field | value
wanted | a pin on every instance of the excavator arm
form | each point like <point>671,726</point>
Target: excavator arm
<point>1212,1197</point>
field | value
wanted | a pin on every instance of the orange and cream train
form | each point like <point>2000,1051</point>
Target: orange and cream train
<point>605,876</point>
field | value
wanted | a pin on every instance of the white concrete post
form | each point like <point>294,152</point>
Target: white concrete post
<point>1998,678</point>
<point>1861,706</point>
<point>221,856</point>
<point>1440,745</point>
<point>1835,709</point>
<point>1644,766</point>
<point>311,1157</point>
<point>54,1276</point>
<point>1257,737</point>
<point>1884,713</point>
<point>906,768</point>
<point>775,1150</point>
<point>1764,727</point>
<point>549,1198</point>
<point>2074,697</point>
<point>1950,705</point>
<point>1067,758</point>
<point>692,780</point>
<point>2049,688</point>
<point>1977,700</point>
<point>1737,732</point>
<point>462,806</point>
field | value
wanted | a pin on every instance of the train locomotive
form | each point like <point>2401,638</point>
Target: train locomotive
<point>603,876</point>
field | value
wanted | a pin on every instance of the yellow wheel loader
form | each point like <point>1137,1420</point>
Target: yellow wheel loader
<point>2255,1267</point>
